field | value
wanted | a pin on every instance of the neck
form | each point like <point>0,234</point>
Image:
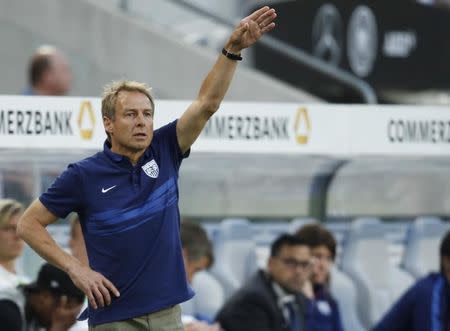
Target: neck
<point>38,90</point>
<point>133,156</point>
<point>9,265</point>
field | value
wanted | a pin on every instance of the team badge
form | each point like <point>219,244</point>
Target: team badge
<point>151,169</point>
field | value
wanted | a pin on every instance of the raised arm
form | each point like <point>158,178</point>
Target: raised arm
<point>216,83</point>
<point>32,229</point>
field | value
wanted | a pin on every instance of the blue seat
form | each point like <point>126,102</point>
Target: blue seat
<point>235,254</point>
<point>365,258</point>
<point>422,245</point>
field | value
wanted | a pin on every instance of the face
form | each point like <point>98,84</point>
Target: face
<point>44,303</point>
<point>131,129</point>
<point>291,268</point>
<point>60,75</point>
<point>194,266</point>
<point>11,246</point>
<point>49,307</point>
<point>446,267</point>
<point>322,263</point>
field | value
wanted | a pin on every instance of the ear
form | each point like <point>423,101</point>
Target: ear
<point>108,124</point>
<point>270,263</point>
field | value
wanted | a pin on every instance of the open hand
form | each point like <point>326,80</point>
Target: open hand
<point>97,287</point>
<point>251,29</point>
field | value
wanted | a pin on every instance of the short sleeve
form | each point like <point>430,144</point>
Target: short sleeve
<point>166,137</point>
<point>64,195</point>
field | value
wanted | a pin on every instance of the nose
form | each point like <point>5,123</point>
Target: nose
<point>140,119</point>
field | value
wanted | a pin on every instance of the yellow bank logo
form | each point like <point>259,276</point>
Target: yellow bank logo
<point>302,126</point>
<point>86,120</point>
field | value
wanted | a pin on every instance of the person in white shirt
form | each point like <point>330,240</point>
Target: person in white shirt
<point>11,246</point>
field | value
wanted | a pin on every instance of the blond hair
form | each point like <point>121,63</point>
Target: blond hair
<point>111,91</point>
<point>9,208</point>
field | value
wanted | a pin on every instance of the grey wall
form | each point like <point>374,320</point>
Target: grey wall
<point>104,44</point>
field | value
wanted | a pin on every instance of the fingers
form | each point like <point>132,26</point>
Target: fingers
<point>268,28</point>
<point>98,297</point>
<point>99,293</point>
<point>267,17</point>
<point>105,295</point>
<point>256,14</point>
<point>91,300</point>
<point>110,286</point>
<point>268,20</point>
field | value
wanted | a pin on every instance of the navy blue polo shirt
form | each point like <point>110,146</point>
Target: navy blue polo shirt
<point>424,307</point>
<point>130,220</point>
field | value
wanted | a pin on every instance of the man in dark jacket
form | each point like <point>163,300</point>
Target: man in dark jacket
<point>426,305</point>
<point>272,300</point>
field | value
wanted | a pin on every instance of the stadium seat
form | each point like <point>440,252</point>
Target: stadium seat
<point>235,254</point>
<point>343,290</point>
<point>298,222</point>
<point>365,258</point>
<point>422,246</point>
<point>209,295</point>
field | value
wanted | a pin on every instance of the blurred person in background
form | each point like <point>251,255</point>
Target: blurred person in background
<point>11,245</point>
<point>324,311</point>
<point>272,300</point>
<point>197,256</point>
<point>49,72</point>
<point>426,305</point>
<point>127,199</point>
<point>197,249</point>
<point>51,303</point>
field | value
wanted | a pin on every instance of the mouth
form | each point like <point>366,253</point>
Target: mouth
<point>140,135</point>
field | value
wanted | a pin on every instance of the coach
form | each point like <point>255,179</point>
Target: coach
<point>127,200</point>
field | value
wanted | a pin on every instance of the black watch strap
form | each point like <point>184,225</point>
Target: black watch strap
<point>231,56</point>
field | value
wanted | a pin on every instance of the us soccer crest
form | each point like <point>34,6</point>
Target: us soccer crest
<point>151,169</point>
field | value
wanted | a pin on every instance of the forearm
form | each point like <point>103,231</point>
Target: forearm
<point>218,80</point>
<point>37,236</point>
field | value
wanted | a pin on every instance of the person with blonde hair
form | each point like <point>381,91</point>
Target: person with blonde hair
<point>127,200</point>
<point>11,245</point>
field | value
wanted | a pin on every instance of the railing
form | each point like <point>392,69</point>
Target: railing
<point>350,81</point>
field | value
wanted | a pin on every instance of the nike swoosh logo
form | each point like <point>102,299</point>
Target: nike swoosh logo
<point>104,190</point>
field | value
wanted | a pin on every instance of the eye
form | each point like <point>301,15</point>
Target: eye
<point>148,114</point>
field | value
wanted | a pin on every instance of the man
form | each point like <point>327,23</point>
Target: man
<point>52,302</point>
<point>49,72</point>
<point>197,249</point>
<point>272,300</point>
<point>197,256</point>
<point>426,305</point>
<point>11,246</point>
<point>127,199</point>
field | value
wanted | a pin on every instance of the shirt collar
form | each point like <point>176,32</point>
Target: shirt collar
<point>282,296</point>
<point>118,157</point>
<point>109,153</point>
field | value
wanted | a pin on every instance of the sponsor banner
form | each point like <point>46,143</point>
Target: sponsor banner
<point>49,122</point>
<point>275,128</point>
<point>240,127</point>
<point>400,130</point>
